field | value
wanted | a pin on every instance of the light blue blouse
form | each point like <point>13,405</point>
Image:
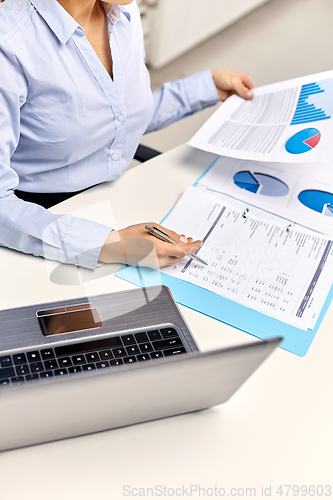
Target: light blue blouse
<point>66,125</point>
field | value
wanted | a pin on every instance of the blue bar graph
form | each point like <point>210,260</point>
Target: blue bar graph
<point>308,112</point>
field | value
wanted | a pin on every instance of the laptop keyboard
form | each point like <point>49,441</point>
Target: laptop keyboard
<point>91,355</point>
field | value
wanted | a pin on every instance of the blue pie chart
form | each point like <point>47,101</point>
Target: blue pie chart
<point>319,201</point>
<point>302,142</point>
<point>259,183</point>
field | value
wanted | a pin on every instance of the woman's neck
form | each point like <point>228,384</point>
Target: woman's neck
<point>85,12</point>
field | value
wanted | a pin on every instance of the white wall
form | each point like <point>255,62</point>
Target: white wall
<point>174,26</point>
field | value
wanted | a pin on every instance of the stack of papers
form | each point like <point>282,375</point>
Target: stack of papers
<point>254,257</point>
<point>275,148</point>
<point>264,211</point>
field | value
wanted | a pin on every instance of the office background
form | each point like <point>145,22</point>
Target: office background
<point>279,40</point>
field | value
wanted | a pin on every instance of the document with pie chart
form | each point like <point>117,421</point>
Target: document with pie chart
<point>290,121</point>
<point>301,192</point>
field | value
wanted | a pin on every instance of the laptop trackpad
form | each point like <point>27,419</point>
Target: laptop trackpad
<point>68,319</point>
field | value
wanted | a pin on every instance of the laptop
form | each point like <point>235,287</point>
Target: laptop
<point>86,365</point>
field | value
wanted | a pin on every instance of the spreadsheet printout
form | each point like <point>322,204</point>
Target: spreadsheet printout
<point>256,258</point>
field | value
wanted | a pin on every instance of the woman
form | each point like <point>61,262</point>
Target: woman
<point>75,100</point>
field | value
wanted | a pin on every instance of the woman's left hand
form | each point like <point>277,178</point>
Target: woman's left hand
<point>232,82</point>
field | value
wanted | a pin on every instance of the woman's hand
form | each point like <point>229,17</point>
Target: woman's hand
<point>231,82</point>
<point>135,244</point>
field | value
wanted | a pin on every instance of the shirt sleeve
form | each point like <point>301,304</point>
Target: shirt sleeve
<point>182,98</point>
<point>24,226</point>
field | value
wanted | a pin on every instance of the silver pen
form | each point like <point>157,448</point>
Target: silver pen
<point>165,237</point>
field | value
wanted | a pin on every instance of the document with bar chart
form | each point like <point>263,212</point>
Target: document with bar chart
<point>290,121</point>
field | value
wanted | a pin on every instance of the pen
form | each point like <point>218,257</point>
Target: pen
<point>165,237</point>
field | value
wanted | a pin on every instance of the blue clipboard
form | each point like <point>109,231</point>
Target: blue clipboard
<point>237,315</point>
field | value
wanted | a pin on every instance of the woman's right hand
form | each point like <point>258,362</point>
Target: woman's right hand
<point>135,244</point>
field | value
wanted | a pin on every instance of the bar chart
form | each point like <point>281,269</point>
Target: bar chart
<point>308,106</point>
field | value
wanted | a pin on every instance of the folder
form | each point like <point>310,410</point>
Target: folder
<point>225,310</point>
<point>243,318</point>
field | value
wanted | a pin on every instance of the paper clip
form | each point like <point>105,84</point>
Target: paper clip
<point>245,213</point>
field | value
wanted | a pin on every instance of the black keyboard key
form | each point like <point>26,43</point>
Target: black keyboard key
<point>48,374</point>
<point>61,372</point>
<point>102,364</point>
<point>89,367</point>
<point>119,353</point>
<point>4,381</point>
<point>164,344</point>
<point>7,372</point>
<point>47,354</point>
<point>70,349</point>
<point>133,349</point>
<point>143,357</point>
<point>128,339</point>
<point>130,359</point>
<point>154,335</point>
<point>92,357</point>
<point>169,333</point>
<point>37,367</point>
<point>64,362</point>
<point>146,348</point>
<point>79,360</point>
<point>156,355</point>
<point>22,370</point>
<point>107,354</point>
<point>51,364</point>
<point>19,359</point>
<point>75,369</point>
<point>141,337</point>
<point>116,362</point>
<point>17,380</point>
<point>33,356</point>
<point>173,352</point>
<point>5,361</point>
<point>32,377</point>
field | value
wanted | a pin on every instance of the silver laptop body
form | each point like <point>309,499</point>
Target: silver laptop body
<point>60,407</point>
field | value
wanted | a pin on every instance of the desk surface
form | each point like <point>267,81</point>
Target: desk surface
<point>277,430</point>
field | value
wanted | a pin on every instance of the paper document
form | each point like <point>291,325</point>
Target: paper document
<point>289,121</point>
<point>257,259</point>
<point>302,192</point>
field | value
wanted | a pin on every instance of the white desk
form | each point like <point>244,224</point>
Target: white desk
<point>277,430</point>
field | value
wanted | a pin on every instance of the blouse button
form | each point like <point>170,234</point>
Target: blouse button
<point>121,118</point>
<point>114,157</point>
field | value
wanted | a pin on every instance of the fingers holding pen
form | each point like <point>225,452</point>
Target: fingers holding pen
<point>178,238</point>
<point>179,250</point>
<point>171,254</point>
<point>181,247</point>
<point>135,244</point>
